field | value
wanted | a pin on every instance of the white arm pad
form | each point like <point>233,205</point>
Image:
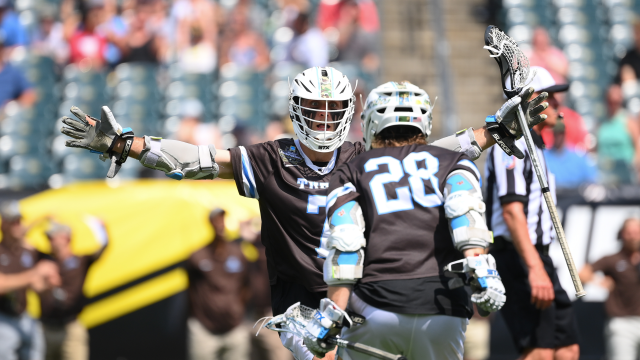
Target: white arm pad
<point>463,141</point>
<point>465,209</point>
<point>344,262</point>
<point>178,159</point>
<point>346,227</point>
<point>343,268</point>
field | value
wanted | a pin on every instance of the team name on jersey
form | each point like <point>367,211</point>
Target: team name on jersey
<point>312,184</point>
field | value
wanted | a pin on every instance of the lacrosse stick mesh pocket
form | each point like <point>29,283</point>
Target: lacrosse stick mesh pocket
<point>514,64</point>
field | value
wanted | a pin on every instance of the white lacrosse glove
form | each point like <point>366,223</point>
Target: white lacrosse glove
<point>504,126</point>
<point>326,322</point>
<point>507,115</point>
<point>489,293</point>
<point>98,137</point>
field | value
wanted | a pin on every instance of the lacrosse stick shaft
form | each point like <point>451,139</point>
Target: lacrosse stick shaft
<point>542,179</point>
<point>368,350</point>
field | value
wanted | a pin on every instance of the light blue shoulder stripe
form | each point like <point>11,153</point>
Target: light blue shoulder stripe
<point>472,166</point>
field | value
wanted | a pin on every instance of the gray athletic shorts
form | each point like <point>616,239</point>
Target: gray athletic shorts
<point>414,336</point>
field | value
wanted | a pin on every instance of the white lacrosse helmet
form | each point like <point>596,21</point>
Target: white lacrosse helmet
<point>323,124</point>
<point>394,104</point>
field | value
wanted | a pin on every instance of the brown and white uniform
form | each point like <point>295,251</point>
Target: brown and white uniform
<point>20,335</point>
<point>219,286</point>
<point>622,305</point>
<point>66,338</point>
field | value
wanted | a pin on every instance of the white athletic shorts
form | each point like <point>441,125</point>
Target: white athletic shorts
<point>414,336</point>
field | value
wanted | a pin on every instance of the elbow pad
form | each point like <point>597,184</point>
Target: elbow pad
<point>344,263</point>
<point>346,227</point>
<point>464,141</point>
<point>464,208</point>
<point>179,160</point>
<point>343,268</point>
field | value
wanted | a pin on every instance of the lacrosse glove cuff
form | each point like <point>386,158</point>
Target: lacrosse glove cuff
<point>118,159</point>
<point>503,137</point>
<point>488,291</point>
<point>179,160</point>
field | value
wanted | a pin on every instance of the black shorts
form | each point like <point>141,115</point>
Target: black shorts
<point>551,328</point>
<point>285,294</point>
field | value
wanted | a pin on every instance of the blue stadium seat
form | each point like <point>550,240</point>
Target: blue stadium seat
<point>28,172</point>
<point>84,165</point>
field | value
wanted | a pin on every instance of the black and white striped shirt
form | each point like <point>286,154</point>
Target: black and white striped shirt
<point>510,179</point>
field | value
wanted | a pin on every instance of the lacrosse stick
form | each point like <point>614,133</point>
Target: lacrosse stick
<point>515,65</point>
<point>295,321</point>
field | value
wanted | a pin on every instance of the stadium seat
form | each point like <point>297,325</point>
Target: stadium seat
<point>84,165</point>
<point>27,172</point>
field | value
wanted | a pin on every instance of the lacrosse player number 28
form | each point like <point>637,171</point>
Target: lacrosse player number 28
<point>416,190</point>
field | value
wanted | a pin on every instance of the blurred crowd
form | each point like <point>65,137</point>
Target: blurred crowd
<point>593,47</point>
<point>201,71</point>
<point>228,292</point>
<point>58,279</point>
<point>608,153</point>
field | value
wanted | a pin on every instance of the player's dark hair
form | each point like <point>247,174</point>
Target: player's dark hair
<point>395,136</point>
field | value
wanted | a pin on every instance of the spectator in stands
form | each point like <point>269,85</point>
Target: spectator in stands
<point>200,56</point>
<point>20,269</point>
<point>48,37</point>
<point>546,55</point>
<point>309,47</point>
<point>356,46</point>
<point>141,44</point>
<point>241,45</point>
<point>65,337</point>
<point>617,141</point>
<point>576,134</point>
<point>14,84</point>
<point>632,57</point>
<point>88,47</point>
<point>195,34</point>
<point>330,12</point>
<point>192,129</point>
<point>12,31</point>
<point>219,288</point>
<point>571,168</point>
<point>267,345</point>
<point>113,26</point>
<point>623,305</point>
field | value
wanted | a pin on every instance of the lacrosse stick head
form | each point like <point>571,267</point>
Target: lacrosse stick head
<point>293,321</point>
<point>514,65</point>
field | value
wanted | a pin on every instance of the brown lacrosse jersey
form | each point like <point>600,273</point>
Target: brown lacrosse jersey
<point>61,305</point>
<point>400,191</point>
<point>291,191</point>
<point>13,262</point>
<point>218,285</point>
<point>624,300</point>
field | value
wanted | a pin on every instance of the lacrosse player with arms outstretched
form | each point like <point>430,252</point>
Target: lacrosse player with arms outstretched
<point>288,177</point>
<point>399,215</point>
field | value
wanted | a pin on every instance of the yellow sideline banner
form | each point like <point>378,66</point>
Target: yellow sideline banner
<point>152,224</point>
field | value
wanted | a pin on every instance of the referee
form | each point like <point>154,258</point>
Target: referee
<point>538,313</point>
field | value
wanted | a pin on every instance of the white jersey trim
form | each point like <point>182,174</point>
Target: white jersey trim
<point>248,180</point>
<point>319,170</point>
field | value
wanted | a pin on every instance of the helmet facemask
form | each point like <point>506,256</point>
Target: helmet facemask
<point>321,106</point>
<point>324,124</point>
